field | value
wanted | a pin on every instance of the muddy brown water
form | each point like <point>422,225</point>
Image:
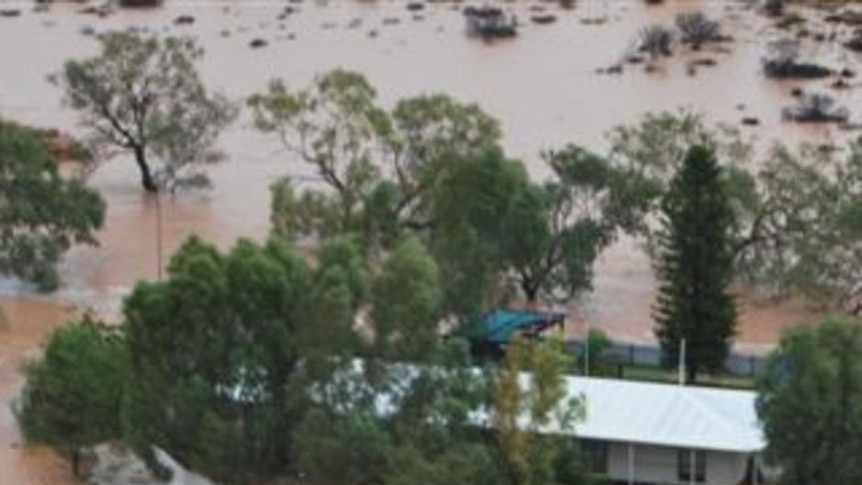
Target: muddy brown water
<point>542,86</point>
<point>25,324</point>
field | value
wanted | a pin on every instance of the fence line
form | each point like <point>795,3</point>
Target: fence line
<point>630,354</point>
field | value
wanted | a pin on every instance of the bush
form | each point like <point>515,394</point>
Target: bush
<point>696,29</point>
<point>73,395</point>
<point>656,41</point>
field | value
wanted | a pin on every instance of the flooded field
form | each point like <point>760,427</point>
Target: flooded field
<point>542,86</point>
<point>25,324</point>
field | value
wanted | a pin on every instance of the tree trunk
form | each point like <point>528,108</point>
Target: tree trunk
<point>147,181</point>
<point>531,292</point>
<point>76,462</point>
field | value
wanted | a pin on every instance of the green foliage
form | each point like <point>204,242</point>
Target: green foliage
<point>333,126</point>
<point>431,134</point>
<point>796,225</point>
<point>589,202</point>
<point>492,225</point>
<point>523,404</point>
<point>379,166</point>
<point>434,167</point>
<point>598,343</point>
<point>142,94</point>
<point>212,350</point>
<point>438,443</point>
<point>339,288</point>
<point>293,215</point>
<point>345,449</point>
<point>822,248</point>
<point>809,399</point>
<point>242,365</point>
<point>463,463</point>
<point>425,437</point>
<point>73,394</point>
<point>794,228</point>
<point>655,147</point>
<point>780,217</point>
<point>344,252</point>
<point>407,303</point>
<point>42,214</point>
<point>483,211</point>
<point>695,267</point>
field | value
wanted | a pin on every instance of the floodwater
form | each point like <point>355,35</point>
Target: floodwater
<point>542,86</point>
<point>23,326</point>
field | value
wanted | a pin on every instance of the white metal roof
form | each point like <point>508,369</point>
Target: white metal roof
<point>643,413</point>
<point>668,415</point>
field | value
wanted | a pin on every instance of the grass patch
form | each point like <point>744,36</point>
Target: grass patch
<point>659,374</point>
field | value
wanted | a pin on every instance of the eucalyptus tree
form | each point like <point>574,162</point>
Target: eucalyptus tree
<point>143,95</point>
<point>42,212</point>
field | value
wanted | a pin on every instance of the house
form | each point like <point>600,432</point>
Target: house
<point>651,433</point>
<point>639,433</point>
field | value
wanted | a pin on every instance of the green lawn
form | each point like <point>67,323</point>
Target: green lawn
<point>658,374</point>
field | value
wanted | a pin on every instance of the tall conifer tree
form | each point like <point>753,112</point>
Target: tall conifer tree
<point>695,267</point>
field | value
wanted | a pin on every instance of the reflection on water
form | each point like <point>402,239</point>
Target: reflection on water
<point>542,86</point>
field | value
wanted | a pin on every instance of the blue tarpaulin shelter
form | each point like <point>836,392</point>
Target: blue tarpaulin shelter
<point>498,326</point>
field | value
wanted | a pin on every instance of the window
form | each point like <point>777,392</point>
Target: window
<point>684,466</point>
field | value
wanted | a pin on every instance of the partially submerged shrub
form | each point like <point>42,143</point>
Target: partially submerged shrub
<point>695,28</point>
<point>783,63</point>
<point>773,7</point>
<point>656,41</point>
<point>816,107</point>
<point>855,42</point>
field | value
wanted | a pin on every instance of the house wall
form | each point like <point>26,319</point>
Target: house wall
<point>658,465</point>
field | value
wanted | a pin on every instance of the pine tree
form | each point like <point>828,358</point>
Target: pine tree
<point>695,267</point>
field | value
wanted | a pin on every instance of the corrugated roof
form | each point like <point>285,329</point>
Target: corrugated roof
<point>642,413</point>
<point>668,415</point>
<point>658,414</point>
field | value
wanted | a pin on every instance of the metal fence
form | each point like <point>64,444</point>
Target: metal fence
<point>627,354</point>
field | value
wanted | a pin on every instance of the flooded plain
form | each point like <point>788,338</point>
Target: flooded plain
<point>542,86</point>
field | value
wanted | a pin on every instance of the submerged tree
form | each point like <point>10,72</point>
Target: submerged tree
<point>796,224</point>
<point>695,267</point>
<point>334,126</point>
<point>433,167</point>
<point>42,214</point>
<point>589,202</point>
<point>143,95</point>
<point>494,227</point>
<point>378,166</point>
<point>825,251</point>
<point>810,403</point>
